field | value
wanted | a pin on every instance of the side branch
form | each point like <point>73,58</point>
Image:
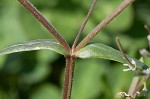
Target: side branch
<point>123,53</point>
<point>84,23</point>
<point>107,20</point>
<point>45,23</point>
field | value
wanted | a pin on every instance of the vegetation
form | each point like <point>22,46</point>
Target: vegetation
<point>40,74</point>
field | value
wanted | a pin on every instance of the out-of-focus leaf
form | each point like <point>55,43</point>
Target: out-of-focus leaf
<point>99,50</point>
<point>123,21</point>
<point>2,60</point>
<point>69,29</point>
<point>11,30</point>
<point>87,79</point>
<point>34,45</point>
<point>42,68</point>
<point>47,3</point>
<point>46,91</point>
<point>32,28</point>
<point>87,83</point>
<point>40,72</point>
<point>142,11</point>
<point>116,80</point>
<point>104,8</point>
<point>46,56</point>
<point>3,95</point>
<point>146,60</point>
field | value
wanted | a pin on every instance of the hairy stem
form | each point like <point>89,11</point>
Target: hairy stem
<point>68,77</point>
<point>107,20</point>
<point>45,23</point>
<point>84,23</point>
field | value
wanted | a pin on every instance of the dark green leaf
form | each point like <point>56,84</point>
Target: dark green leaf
<point>99,50</point>
<point>44,44</point>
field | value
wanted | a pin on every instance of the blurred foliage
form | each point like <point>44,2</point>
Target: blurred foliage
<point>40,74</point>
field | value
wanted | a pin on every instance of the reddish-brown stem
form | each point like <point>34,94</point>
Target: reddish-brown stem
<point>84,23</point>
<point>45,23</point>
<point>123,53</point>
<point>68,77</point>
<point>107,20</point>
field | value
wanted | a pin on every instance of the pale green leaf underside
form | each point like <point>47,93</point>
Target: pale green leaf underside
<point>42,44</point>
<point>99,50</point>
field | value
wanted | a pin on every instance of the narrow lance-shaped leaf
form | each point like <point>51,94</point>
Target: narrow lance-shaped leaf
<point>99,50</point>
<point>42,44</point>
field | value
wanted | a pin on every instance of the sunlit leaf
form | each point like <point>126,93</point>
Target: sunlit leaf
<point>44,44</point>
<point>99,50</point>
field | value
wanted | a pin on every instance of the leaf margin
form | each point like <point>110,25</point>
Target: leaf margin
<point>39,44</point>
<point>90,51</point>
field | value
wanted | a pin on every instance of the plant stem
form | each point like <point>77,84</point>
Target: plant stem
<point>133,86</point>
<point>45,23</point>
<point>107,20</point>
<point>140,85</point>
<point>123,53</point>
<point>84,23</point>
<point>68,77</point>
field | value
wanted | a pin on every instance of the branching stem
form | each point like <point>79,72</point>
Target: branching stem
<point>84,23</point>
<point>107,20</point>
<point>45,23</point>
<point>70,58</point>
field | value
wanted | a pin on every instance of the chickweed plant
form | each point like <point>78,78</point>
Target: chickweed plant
<point>84,50</point>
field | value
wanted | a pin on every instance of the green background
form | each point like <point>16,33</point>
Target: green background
<point>40,74</point>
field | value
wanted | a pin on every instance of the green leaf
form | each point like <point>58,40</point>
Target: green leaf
<point>87,77</point>
<point>45,91</point>
<point>142,11</point>
<point>73,24</point>
<point>99,50</point>
<point>42,44</point>
<point>104,8</point>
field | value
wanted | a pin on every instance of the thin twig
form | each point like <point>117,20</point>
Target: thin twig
<point>123,53</point>
<point>45,23</point>
<point>84,23</point>
<point>107,20</point>
<point>68,77</point>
